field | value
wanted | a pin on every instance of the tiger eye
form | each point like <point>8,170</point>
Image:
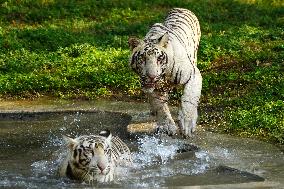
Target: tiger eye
<point>141,59</point>
<point>97,145</point>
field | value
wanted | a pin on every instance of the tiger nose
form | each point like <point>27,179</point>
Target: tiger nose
<point>152,77</point>
<point>101,167</point>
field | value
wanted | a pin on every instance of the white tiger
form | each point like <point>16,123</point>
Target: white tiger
<point>167,57</point>
<point>94,158</point>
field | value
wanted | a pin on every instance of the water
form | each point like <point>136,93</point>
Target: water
<point>31,151</point>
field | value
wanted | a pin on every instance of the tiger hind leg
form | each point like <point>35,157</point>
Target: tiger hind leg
<point>159,108</point>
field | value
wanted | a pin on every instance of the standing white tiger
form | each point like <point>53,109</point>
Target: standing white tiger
<point>167,56</point>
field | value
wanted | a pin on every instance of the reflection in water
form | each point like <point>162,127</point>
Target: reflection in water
<point>32,149</point>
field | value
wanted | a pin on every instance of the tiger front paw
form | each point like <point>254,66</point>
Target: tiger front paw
<point>187,129</point>
<point>169,129</point>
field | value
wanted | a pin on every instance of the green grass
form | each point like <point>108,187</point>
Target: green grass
<point>78,49</point>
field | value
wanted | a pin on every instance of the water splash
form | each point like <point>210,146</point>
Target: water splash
<point>201,164</point>
<point>154,150</point>
<point>156,160</point>
<point>48,168</point>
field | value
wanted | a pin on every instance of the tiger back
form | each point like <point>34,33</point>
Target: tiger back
<point>183,29</point>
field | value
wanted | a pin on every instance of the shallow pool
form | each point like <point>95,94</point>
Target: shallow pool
<point>31,149</point>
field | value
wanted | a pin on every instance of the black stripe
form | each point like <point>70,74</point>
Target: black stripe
<point>134,58</point>
<point>93,153</point>
<point>178,38</point>
<point>184,35</point>
<point>69,172</point>
<point>166,58</point>
<point>173,67</point>
<point>172,32</point>
<point>180,74</point>
<point>188,20</point>
<point>176,77</point>
<point>188,16</point>
<point>80,152</point>
<point>181,32</point>
<point>180,19</point>
<point>75,154</point>
<point>190,27</point>
<point>82,146</point>
<point>188,79</point>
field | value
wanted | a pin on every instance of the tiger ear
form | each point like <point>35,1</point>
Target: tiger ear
<point>133,42</point>
<point>109,138</point>
<point>71,143</point>
<point>163,40</point>
<point>106,133</point>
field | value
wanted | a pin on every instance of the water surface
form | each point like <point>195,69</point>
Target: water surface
<point>31,149</point>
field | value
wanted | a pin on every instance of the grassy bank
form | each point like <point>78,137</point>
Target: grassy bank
<point>78,49</point>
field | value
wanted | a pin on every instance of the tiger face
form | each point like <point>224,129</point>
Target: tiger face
<point>149,60</point>
<point>90,158</point>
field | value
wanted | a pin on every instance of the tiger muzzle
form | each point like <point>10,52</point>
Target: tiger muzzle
<point>150,81</point>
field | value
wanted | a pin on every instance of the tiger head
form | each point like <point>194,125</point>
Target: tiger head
<point>149,60</point>
<point>90,157</point>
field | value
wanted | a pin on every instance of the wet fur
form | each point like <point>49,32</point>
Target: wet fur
<point>88,154</point>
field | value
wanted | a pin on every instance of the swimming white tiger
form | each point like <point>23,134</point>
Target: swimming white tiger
<point>94,158</point>
<point>165,58</point>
